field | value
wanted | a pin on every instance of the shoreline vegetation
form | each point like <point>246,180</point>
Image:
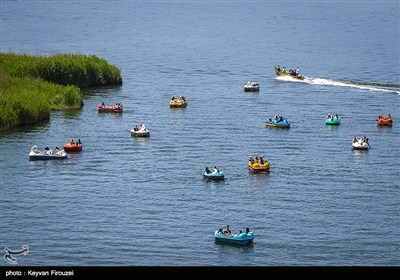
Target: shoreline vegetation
<point>32,86</point>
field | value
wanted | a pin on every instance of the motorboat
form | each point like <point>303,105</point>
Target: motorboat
<point>179,102</point>
<point>252,86</point>
<point>257,164</point>
<point>140,131</point>
<point>117,108</point>
<point>277,121</point>
<point>46,154</point>
<point>291,73</point>
<point>385,120</point>
<point>332,119</point>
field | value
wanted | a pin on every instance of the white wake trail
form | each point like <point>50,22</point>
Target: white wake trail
<point>329,82</point>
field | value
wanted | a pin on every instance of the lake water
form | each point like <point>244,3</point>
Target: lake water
<point>142,201</point>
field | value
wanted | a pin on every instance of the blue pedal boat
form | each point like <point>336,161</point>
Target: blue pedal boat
<point>236,239</point>
<point>215,175</point>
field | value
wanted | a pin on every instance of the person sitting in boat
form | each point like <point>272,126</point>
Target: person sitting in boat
<point>261,160</point>
<point>142,127</point>
<point>79,142</point>
<point>329,116</point>
<point>389,116</point>
<point>284,70</point>
<point>251,160</point>
<point>102,104</point>
<point>276,117</point>
<point>71,141</point>
<point>173,98</point>
<point>280,119</point>
<point>278,68</point>
<point>208,171</point>
<point>216,169</point>
<point>239,232</point>
<point>56,150</point>
<point>227,231</point>
<point>256,160</point>
<point>337,116</point>
<point>247,230</point>
<point>354,139</point>
<point>297,71</point>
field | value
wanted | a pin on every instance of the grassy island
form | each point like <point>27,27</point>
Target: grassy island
<point>32,86</point>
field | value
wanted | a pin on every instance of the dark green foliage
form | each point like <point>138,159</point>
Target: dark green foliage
<point>30,86</point>
<point>65,69</point>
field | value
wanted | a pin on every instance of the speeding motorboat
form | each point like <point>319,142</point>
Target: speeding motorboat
<point>291,73</point>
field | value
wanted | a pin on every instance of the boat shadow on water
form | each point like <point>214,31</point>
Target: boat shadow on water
<point>215,182</point>
<point>359,152</point>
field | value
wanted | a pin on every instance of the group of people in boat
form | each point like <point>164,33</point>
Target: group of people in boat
<point>71,141</point>
<point>277,118</point>
<point>140,127</point>
<point>292,72</point>
<point>215,170</point>
<point>363,140</point>
<point>252,84</point>
<point>226,231</point>
<point>257,159</point>
<point>49,151</point>
<point>331,117</point>
<point>183,98</point>
<point>387,117</point>
<point>116,106</point>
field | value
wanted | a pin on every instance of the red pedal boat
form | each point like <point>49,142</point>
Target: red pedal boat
<point>102,108</point>
<point>72,146</point>
<point>384,120</point>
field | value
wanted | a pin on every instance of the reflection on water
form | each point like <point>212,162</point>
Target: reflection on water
<point>384,128</point>
<point>332,127</point>
<point>141,140</point>
<point>259,179</point>
<point>178,112</point>
<point>359,156</point>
